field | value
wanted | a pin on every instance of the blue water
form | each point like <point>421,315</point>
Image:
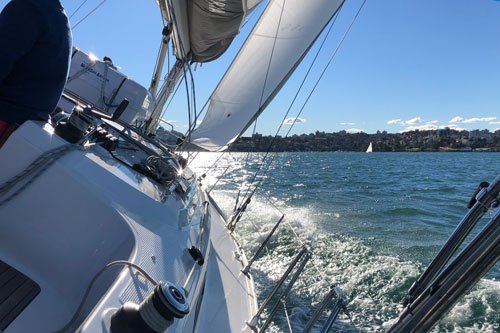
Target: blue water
<point>374,221</point>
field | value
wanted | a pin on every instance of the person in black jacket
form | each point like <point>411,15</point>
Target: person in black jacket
<point>35,47</point>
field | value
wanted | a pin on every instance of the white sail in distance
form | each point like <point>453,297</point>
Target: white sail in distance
<point>264,63</point>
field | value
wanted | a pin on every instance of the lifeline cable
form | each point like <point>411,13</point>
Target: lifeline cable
<point>294,99</point>
<point>90,13</point>
<point>76,10</point>
<point>263,91</point>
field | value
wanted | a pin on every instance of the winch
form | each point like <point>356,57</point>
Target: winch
<point>155,314</point>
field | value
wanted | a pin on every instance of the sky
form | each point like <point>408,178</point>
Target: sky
<point>405,64</point>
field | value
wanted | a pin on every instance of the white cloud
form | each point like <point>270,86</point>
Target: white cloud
<point>479,120</point>
<point>456,120</point>
<point>293,120</point>
<point>495,122</point>
<point>432,126</point>
<point>472,120</point>
<point>354,130</point>
<point>424,127</point>
<point>413,121</point>
<point>350,124</point>
<point>454,127</point>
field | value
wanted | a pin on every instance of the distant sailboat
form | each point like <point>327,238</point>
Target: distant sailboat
<point>370,148</point>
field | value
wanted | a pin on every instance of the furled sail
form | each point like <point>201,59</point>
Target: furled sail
<point>262,67</point>
<point>204,29</point>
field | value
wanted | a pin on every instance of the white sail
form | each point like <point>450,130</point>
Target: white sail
<point>262,66</point>
<point>370,148</point>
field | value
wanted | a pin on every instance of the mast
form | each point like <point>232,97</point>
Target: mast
<point>160,63</point>
<point>173,77</point>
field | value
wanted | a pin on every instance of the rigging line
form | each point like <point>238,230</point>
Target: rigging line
<point>265,80</point>
<point>191,159</point>
<point>227,69</point>
<point>193,89</point>
<point>76,10</point>
<point>168,57</point>
<point>250,151</point>
<point>286,315</point>
<point>91,12</point>
<point>171,97</point>
<point>271,56</point>
<point>268,252</point>
<point>329,61</point>
<point>188,103</point>
<point>323,73</point>
<point>302,108</point>
<point>305,78</point>
<point>184,57</point>
<point>216,161</point>
<point>296,95</point>
<point>351,320</point>
<point>268,67</point>
<point>319,79</point>
<point>286,220</point>
<point>294,232</point>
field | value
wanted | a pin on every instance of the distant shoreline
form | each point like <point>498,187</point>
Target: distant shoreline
<point>442,140</point>
<point>362,152</point>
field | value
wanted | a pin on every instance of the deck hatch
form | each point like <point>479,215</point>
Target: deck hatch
<point>16,292</point>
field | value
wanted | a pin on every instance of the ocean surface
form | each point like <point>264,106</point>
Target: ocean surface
<point>374,222</point>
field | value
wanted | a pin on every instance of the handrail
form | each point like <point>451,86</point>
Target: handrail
<point>484,199</point>
<point>304,255</point>
<point>339,305</point>
<point>294,278</point>
<point>457,279</point>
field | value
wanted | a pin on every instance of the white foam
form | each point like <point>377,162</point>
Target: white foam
<point>374,283</point>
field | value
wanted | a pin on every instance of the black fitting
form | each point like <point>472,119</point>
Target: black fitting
<point>473,200</point>
<point>197,255</point>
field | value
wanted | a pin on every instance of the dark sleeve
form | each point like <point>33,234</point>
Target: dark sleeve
<point>20,26</point>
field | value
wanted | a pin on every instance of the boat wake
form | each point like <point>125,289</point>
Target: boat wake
<point>374,277</point>
<point>374,283</point>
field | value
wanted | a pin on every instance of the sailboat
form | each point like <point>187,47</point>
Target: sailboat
<point>370,148</point>
<point>104,228</point>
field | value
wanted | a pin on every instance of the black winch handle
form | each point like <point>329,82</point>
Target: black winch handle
<point>473,199</point>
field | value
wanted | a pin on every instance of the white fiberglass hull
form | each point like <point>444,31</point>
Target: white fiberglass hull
<point>86,210</point>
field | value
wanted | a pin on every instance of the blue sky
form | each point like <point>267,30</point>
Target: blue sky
<point>405,64</point>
